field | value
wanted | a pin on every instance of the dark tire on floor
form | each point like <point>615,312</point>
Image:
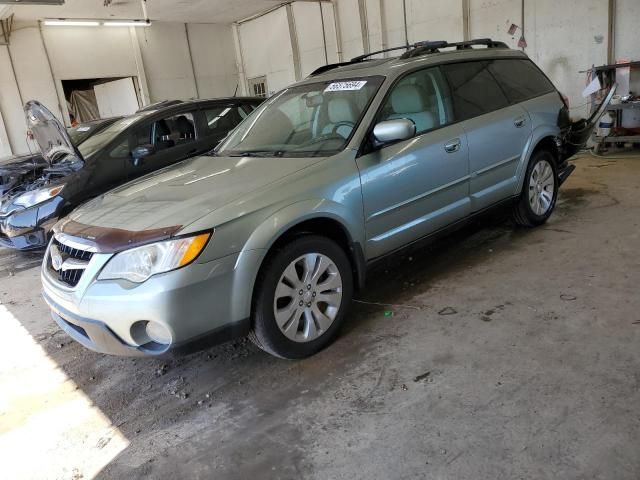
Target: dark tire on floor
<point>272,282</point>
<point>531,208</point>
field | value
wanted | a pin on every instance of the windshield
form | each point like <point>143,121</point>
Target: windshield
<point>308,120</point>
<point>101,139</point>
<point>83,131</point>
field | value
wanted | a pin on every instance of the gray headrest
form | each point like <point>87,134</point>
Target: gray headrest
<point>341,110</point>
<point>408,99</point>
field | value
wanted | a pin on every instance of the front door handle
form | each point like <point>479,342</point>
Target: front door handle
<point>519,122</point>
<point>452,145</point>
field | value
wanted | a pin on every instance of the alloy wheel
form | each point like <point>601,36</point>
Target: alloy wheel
<point>541,187</point>
<point>307,297</point>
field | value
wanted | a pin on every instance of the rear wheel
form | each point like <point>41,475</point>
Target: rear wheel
<point>539,192</point>
<point>302,296</point>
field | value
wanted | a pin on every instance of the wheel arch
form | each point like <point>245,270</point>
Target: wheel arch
<point>320,217</point>
<point>542,138</point>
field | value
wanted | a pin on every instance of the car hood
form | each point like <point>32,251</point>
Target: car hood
<point>50,135</point>
<point>176,196</point>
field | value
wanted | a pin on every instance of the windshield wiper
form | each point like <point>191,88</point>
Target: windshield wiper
<point>257,153</point>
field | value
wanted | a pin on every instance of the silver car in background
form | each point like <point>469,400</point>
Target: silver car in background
<point>270,235</point>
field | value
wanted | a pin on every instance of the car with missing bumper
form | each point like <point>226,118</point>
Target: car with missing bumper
<point>76,165</point>
<point>270,235</point>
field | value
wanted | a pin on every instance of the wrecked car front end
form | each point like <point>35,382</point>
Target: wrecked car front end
<point>32,188</point>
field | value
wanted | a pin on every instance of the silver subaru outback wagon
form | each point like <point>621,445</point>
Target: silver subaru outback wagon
<point>270,235</point>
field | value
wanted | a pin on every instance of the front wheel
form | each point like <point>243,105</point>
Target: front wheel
<point>539,192</point>
<point>301,297</point>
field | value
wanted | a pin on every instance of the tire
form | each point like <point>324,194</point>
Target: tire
<point>291,325</point>
<point>533,208</point>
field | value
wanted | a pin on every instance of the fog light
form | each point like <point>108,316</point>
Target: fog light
<point>158,333</point>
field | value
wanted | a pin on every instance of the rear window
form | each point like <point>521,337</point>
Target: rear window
<point>520,79</point>
<point>474,90</point>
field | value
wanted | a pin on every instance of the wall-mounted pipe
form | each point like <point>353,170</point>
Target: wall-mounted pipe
<point>611,32</point>
<point>406,26</point>
<point>193,67</point>
<point>364,25</point>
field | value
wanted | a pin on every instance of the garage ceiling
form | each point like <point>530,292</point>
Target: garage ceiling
<point>184,11</point>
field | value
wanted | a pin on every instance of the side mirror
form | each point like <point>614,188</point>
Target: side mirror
<point>141,152</point>
<point>394,130</point>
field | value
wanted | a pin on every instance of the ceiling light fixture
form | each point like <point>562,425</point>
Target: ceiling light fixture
<point>65,22</point>
<point>71,23</point>
<point>127,23</point>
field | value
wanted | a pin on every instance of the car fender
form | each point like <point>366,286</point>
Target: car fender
<point>270,230</point>
<point>537,134</point>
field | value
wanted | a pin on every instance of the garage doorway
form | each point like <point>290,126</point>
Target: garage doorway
<point>92,98</point>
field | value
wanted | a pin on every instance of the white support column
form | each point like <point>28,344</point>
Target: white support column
<point>242,77</point>
<point>294,42</point>
<point>143,87</point>
<point>364,25</point>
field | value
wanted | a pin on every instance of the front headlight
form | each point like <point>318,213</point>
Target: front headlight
<point>29,199</point>
<point>140,263</point>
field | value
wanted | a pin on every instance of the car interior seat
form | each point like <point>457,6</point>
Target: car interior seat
<point>410,101</point>
<point>342,116</point>
<point>163,135</point>
<point>185,128</point>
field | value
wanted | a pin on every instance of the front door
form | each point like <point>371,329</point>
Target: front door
<point>174,138</point>
<point>415,187</point>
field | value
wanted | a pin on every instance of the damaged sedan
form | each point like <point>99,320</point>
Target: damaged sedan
<point>35,192</point>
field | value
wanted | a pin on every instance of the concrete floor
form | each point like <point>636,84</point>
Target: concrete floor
<point>515,354</point>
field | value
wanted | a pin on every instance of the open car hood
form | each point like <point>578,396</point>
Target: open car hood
<point>50,135</point>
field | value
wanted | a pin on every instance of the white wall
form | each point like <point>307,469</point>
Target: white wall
<point>309,32</point>
<point>266,49</point>
<point>11,106</point>
<point>627,38</point>
<point>166,62</point>
<point>159,57</point>
<point>214,59</point>
<point>559,41</point>
<point>350,29</point>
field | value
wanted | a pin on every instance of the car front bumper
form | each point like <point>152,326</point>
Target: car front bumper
<point>28,229</point>
<point>203,301</point>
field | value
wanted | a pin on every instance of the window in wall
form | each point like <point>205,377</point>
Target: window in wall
<point>422,97</point>
<point>520,79</point>
<point>474,89</point>
<point>258,86</point>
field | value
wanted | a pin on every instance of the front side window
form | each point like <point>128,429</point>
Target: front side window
<point>422,97</point>
<point>474,90</point>
<point>520,79</point>
<point>167,132</point>
<point>307,120</point>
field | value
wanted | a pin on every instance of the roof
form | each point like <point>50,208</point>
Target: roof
<point>169,104</point>
<point>394,66</point>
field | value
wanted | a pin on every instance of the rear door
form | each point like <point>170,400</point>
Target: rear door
<point>497,131</point>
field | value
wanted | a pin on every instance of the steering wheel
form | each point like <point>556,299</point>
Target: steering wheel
<point>343,123</point>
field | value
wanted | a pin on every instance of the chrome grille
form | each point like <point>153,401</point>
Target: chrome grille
<point>71,256</point>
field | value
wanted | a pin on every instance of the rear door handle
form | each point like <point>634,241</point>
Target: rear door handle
<point>452,145</point>
<point>519,122</point>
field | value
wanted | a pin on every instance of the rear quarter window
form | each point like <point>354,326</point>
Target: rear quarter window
<point>520,79</point>
<point>474,89</point>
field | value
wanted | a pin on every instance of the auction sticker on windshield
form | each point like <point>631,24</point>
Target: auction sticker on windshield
<point>343,86</point>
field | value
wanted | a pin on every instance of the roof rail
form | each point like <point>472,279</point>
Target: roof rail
<point>414,50</point>
<point>434,47</point>
<point>361,58</point>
